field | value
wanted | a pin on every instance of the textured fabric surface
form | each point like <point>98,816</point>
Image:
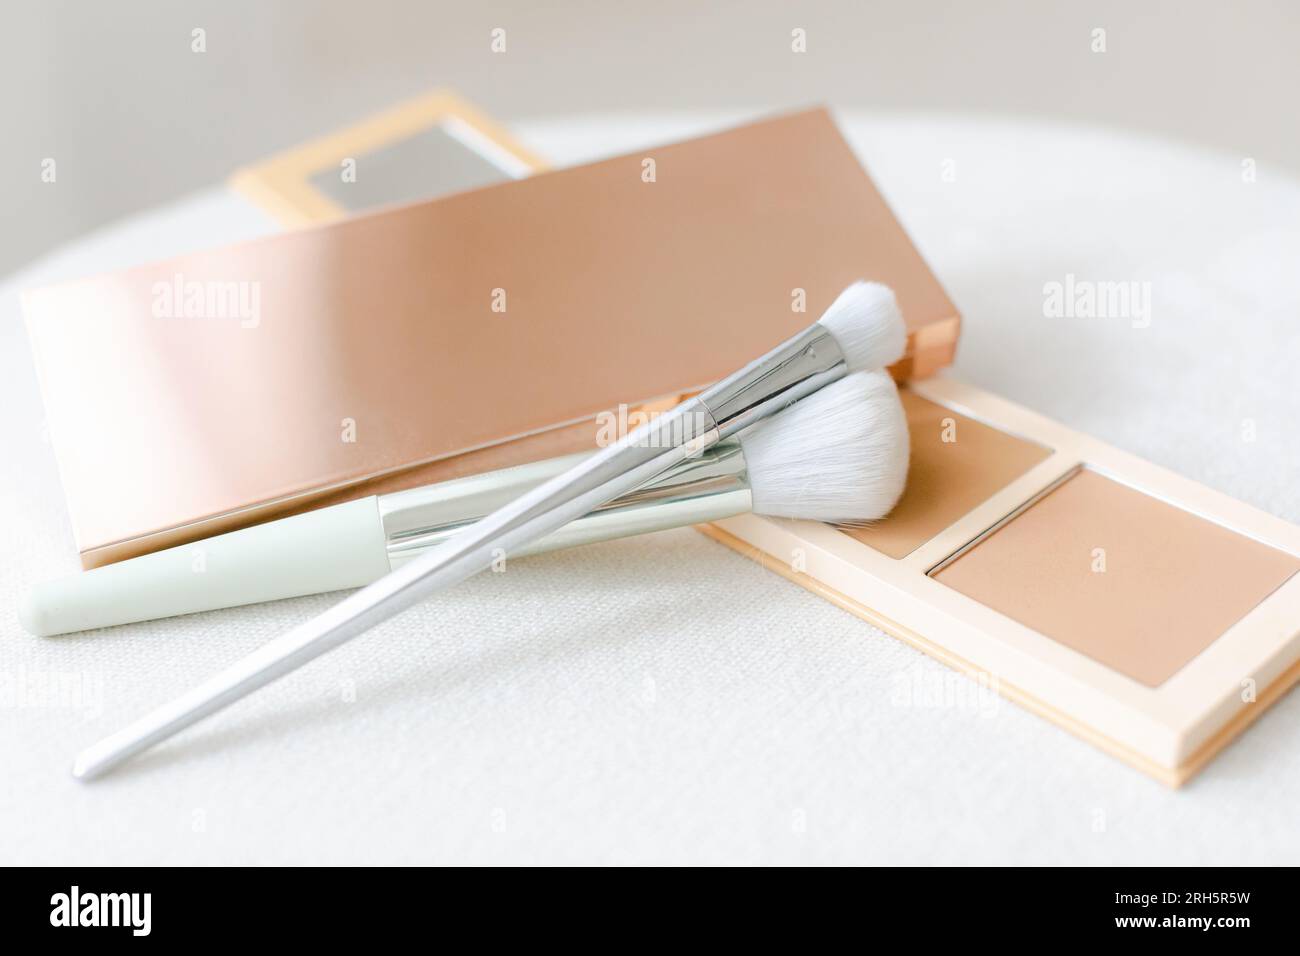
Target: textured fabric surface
<point>662,699</point>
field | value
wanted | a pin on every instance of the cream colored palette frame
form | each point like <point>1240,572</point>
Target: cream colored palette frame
<point>1169,731</point>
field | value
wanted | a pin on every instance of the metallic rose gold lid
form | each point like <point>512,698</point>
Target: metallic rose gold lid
<point>227,387</point>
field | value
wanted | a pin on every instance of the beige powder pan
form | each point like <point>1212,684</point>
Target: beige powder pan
<point>947,477</point>
<point>1125,578</point>
<point>1148,614</point>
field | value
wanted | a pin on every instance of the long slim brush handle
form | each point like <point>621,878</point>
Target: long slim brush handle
<point>621,468</point>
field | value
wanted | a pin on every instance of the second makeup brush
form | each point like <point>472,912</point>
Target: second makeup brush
<point>839,456</point>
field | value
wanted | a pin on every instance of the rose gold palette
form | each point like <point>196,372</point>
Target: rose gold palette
<point>227,387</point>
<point>1138,609</point>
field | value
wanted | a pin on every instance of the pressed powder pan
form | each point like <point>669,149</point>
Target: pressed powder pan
<point>957,463</point>
<point>1131,581</point>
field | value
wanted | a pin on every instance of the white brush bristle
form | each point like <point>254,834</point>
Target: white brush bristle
<point>839,455</point>
<point>867,325</point>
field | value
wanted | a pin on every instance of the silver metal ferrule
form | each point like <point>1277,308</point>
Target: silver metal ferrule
<point>799,367</point>
<point>709,487</point>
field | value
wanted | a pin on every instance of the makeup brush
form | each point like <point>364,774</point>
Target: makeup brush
<point>861,330</point>
<point>839,456</point>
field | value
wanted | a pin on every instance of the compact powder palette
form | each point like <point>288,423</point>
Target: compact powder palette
<point>512,315</point>
<point>1140,610</point>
